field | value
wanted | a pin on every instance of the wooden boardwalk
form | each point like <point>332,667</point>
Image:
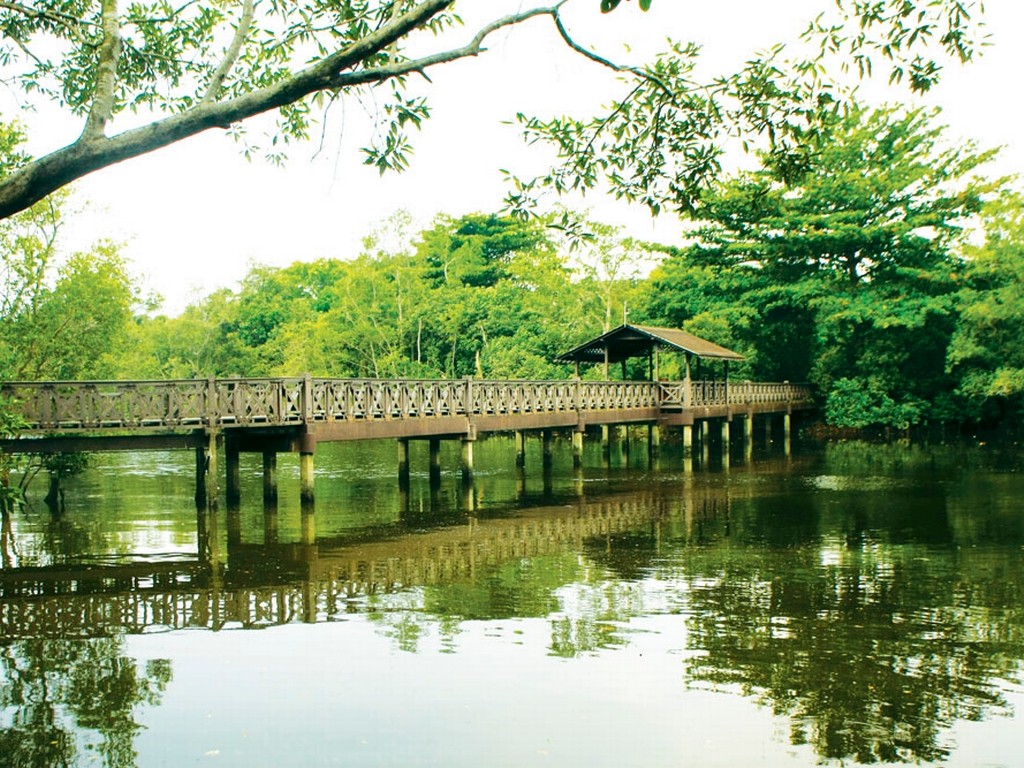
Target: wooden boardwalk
<point>274,415</point>
<point>371,408</point>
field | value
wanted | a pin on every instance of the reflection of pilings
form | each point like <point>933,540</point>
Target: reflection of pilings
<point>196,596</point>
<point>269,475</point>
<point>234,524</point>
<point>547,448</point>
<point>434,450</point>
<point>200,476</point>
<point>520,445</point>
<point>271,524</point>
<point>403,461</point>
<point>234,472</point>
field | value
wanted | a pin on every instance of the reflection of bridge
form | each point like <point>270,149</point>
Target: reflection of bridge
<point>274,415</point>
<point>262,585</point>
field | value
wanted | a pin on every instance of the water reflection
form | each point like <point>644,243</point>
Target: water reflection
<point>68,702</point>
<point>870,603</point>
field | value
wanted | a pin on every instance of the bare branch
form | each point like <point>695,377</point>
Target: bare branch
<point>231,55</point>
<point>637,71</point>
<point>473,48</point>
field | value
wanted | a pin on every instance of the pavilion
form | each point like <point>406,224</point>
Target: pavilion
<point>629,341</point>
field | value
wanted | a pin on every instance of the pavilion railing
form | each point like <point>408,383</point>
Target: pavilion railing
<point>237,402</point>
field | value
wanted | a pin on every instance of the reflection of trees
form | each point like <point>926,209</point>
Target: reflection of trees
<point>872,651</point>
<point>54,690</point>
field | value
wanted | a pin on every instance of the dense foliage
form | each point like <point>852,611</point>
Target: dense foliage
<point>849,276</point>
<point>480,295</point>
<point>889,275</point>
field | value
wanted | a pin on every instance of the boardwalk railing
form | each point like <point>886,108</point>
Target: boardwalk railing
<point>215,403</point>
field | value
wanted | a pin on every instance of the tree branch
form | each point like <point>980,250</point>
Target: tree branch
<point>93,150</point>
<point>231,55</point>
<point>586,53</point>
<point>473,48</point>
<point>106,75</point>
<point>69,22</point>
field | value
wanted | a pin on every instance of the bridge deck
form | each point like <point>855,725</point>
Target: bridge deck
<point>347,409</point>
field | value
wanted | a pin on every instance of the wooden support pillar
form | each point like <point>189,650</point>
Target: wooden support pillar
<point>687,441</point>
<point>468,494</point>
<point>787,433</point>
<point>211,469</point>
<point>306,476</point>
<point>467,457</point>
<point>653,441</point>
<point>623,430</point>
<point>687,448</point>
<point>725,427</point>
<point>520,443</point>
<point>308,523</point>
<point>200,476</point>
<point>606,442</point>
<point>548,451</point>
<point>577,448</point>
<point>748,438</point>
<point>269,475</point>
<point>403,461</point>
<point>435,459</point>
<point>703,432</point>
<point>232,461</point>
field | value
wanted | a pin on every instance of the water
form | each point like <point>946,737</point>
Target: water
<point>849,605</point>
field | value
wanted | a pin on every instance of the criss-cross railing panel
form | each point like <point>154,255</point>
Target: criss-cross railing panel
<point>237,402</point>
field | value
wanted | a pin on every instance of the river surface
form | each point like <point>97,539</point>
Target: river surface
<point>845,605</point>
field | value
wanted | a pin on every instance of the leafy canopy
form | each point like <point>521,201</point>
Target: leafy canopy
<point>143,75</point>
<point>847,276</point>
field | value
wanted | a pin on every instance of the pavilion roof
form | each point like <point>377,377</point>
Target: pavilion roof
<point>639,340</point>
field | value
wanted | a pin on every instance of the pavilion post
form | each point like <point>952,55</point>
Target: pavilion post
<point>687,384</point>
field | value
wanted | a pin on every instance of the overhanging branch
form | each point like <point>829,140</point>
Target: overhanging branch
<point>94,150</point>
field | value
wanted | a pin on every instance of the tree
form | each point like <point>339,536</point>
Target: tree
<point>171,71</point>
<point>60,318</point>
<point>848,275</point>
<point>985,356</point>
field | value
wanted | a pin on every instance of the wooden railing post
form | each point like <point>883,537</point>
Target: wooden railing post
<point>307,398</point>
<point>211,403</point>
<point>468,384</point>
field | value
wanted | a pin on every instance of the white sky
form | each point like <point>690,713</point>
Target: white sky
<point>195,215</point>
